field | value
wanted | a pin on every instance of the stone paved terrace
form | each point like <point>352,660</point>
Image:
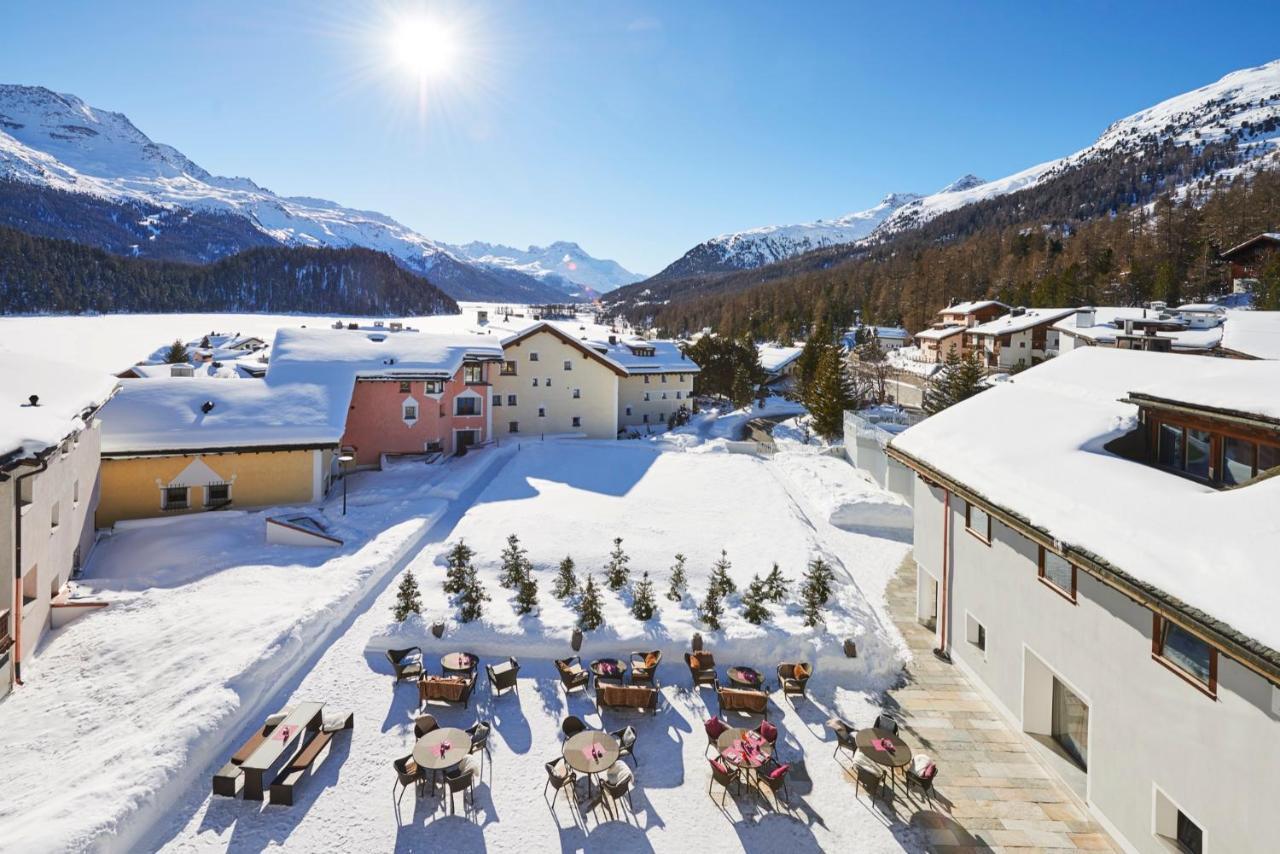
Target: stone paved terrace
<point>992,794</point>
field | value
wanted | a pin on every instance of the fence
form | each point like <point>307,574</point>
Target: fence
<point>865,439</point>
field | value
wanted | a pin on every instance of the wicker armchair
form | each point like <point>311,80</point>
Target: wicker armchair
<point>559,776</point>
<point>407,774</point>
<point>407,663</point>
<point>702,668</point>
<point>794,678</point>
<point>424,724</point>
<point>844,737</point>
<point>724,776</point>
<point>644,666</point>
<point>774,777</point>
<point>503,676</point>
<point>572,674</point>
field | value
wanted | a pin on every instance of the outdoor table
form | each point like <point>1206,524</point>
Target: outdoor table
<point>428,754</point>
<point>731,745</point>
<point>591,752</point>
<point>746,677</point>
<point>891,759</point>
<point>277,749</point>
<point>609,668</point>
<point>458,662</point>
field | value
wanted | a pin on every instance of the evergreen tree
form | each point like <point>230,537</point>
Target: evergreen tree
<point>589,614</point>
<point>515,564</point>
<point>742,390</point>
<point>408,600</point>
<point>616,572</point>
<point>472,597</point>
<point>811,602</point>
<point>527,595</point>
<point>457,566</point>
<point>753,602</point>
<point>960,378</point>
<point>807,365</point>
<point>775,585</point>
<point>679,580</point>
<point>816,589</point>
<point>177,353</point>
<point>711,609</point>
<point>566,583</point>
<point>720,579</point>
<point>643,606</point>
<point>830,394</point>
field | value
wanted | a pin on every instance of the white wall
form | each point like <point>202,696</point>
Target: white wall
<point>1219,759</point>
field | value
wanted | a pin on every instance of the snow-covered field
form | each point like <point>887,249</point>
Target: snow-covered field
<point>210,629</point>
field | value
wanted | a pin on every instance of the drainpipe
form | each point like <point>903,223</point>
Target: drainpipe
<point>944,607</point>
<point>17,567</point>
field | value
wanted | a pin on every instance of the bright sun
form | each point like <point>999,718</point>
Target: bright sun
<point>424,46</point>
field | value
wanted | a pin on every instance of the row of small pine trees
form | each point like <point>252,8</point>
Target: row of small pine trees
<point>462,583</point>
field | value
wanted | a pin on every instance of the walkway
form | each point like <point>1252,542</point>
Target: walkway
<point>995,796</point>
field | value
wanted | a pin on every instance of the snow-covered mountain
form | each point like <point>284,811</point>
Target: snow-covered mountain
<point>561,260</point>
<point>59,142</point>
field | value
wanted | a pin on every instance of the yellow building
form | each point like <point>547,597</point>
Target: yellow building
<point>553,384</point>
<point>186,445</point>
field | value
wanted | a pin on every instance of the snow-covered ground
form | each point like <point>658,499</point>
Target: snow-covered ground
<point>210,629</point>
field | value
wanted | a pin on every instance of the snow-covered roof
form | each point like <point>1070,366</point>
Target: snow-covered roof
<point>971,306</point>
<point>1252,333</point>
<point>338,356</point>
<point>774,359</point>
<point>1108,322</point>
<point>167,414</point>
<point>1035,445</point>
<point>667,356</point>
<point>938,333</point>
<point>1200,308</point>
<point>1018,322</point>
<point>65,392</point>
<point>893,332</point>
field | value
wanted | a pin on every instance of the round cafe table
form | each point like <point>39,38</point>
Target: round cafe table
<point>591,752</point>
<point>746,677</point>
<point>609,668</point>
<point>458,662</point>
<point>891,759</point>
<point>748,761</point>
<point>428,754</point>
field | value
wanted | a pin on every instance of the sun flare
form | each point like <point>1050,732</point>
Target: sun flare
<point>424,46</point>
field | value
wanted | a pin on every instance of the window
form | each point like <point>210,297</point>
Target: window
<point>435,446</point>
<point>1070,724</point>
<point>646,418</point>
<point>216,494</point>
<point>1190,836</point>
<point>404,387</point>
<point>548,383</point>
<point>977,522</point>
<point>466,406</point>
<point>975,633</point>
<point>5,642</point>
<point>409,411</point>
<point>535,382</point>
<point>577,421</point>
<point>1170,446</point>
<point>664,378</point>
<point>55,513</point>
<point>678,395</point>
<point>433,386</point>
<point>65,448</point>
<point>75,492</point>
<point>646,379</point>
<point>664,395</point>
<point>26,491</point>
<point>628,410</point>
<point>174,498</point>
<point>1185,654</point>
<point>542,412</point>
<point>1058,573</point>
<point>577,393</point>
<point>513,426</point>
<point>1238,460</point>
<point>472,373</point>
<point>508,369</point>
<point>31,585</point>
<point>1198,453</point>
<point>662,417</point>
<point>511,400</point>
<point>1175,828</point>
<point>646,395</point>
<point>533,357</point>
<point>497,400</point>
<point>568,365</point>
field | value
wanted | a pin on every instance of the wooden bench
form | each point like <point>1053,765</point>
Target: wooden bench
<point>300,766</point>
<point>627,697</point>
<point>227,780</point>
<point>743,700</point>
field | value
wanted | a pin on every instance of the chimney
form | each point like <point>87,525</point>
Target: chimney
<point>1018,312</point>
<point>1085,317</point>
<point>1128,326</point>
<point>613,339</point>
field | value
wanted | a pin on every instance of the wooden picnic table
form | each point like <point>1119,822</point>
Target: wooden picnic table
<point>278,748</point>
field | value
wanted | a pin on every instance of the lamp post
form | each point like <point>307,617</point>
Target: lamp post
<point>344,459</point>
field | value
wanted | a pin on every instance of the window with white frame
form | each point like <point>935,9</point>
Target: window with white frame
<point>174,498</point>
<point>409,410</point>
<point>433,386</point>
<point>1177,830</point>
<point>216,494</point>
<point>646,395</point>
<point>472,373</point>
<point>577,393</point>
<point>511,400</point>
<point>568,365</point>
<point>466,405</point>
<point>533,357</point>
<point>542,412</point>
<point>497,400</point>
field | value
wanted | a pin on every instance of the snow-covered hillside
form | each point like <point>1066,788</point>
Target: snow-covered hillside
<point>560,261</point>
<point>58,141</point>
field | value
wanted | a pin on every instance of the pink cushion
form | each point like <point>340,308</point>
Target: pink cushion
<point>769,731</point>
<point>929,771</point>
<point>719,766</point>
<point>779,771</point>
<point>715,727</point>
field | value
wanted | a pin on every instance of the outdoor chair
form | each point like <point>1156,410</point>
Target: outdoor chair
<point>572,674</point>
<point>743,700</point>
<point>559,776</point>
<point>769,733</point>
<point>450,689</point>
<point>423,725</point>
<point>886,723</point>
<point>503,676</point>
<point>572,726</point>
<point>461,779</point>
<point>867,775</point>
<point>774,776</point>
<point>616,783</point>
<point>702,667</point>
<point>644,666</point>
<point>724,775</point>
<point>407,663</point>
<point>479,732</point>
<point>794,678</point>
<point>626,744</point>
<point>845,737</point>
<point>921,774</point>
<point>407,774</point>
<point>714,728</point>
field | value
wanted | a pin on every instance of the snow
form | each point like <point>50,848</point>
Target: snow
<point>774,359</point>
<point>911,360</point>
<point>562,259</point>
<point>938,333</point>
<point>971,306</point>
<point>1253,333</point>
<point>1109,321</point>
<point>1035,445</point>
<point>1029,318</point>
<point>338,356</point>
<point>667,356</point>
<point>65,392</point>
<point>167,413</point>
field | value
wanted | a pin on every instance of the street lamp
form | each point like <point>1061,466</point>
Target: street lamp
<point>344,459</point>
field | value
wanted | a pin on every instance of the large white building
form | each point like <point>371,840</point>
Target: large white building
<point>1098,548</point>
<point>49,440</point>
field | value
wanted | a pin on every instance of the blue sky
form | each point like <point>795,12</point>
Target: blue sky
<point>636,129</point>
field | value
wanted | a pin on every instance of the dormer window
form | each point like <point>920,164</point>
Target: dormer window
<point>472,372</point>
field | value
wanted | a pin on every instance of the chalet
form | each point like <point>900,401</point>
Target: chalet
<point>937,343</point>
<point>1135,328</point>
<point>1247,260</point>
<point>49,438</point>
<point>1095,544</point>
<point>407,392</point>
<point>890,337</point>
<point>779,363</point>
<point>1019,339</point>
<point>946,337</point>
<point>970,313</point>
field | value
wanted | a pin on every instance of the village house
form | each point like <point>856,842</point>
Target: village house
<point>49,438</point>
<point>409,392</point>
<point>176,446</point>
<point>1137,328</point>
<point>946,336</point>
<point>658,382</point>
<point>778,363</point>
<point>1095,543</point>
<point>889,337</point>
<point>971,313</point>
<point>1019,339</point>
<point>1247,260</point>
